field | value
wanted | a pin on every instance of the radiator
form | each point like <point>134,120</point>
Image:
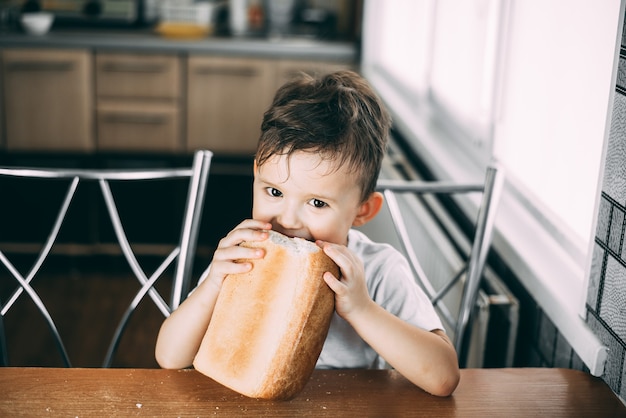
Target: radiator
<point>440,246</point>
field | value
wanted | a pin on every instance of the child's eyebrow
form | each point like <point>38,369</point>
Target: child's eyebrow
<point>268,182</point>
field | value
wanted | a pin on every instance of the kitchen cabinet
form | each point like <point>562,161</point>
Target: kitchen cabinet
<point>226,99</point>
<point>138,100</point>
<point>151,96</point>
<point>48,99</point>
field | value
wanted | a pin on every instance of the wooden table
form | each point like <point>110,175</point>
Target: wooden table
<point>337,393</point>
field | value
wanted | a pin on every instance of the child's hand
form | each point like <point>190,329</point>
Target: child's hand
<point>228,253</point>
<point>350,289</point>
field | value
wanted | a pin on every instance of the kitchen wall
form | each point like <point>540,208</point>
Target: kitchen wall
<point>606,298</point>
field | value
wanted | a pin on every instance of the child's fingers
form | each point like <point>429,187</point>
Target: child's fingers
<point>334,284</point>
<point>225,268</point>
<point>341,256</point>
<point>234,260</point>
<point>235,253</point>
<point>254,224</point>
<point>249,230</point>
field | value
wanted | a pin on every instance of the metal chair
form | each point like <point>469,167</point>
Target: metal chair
<point>472,271</point>
<point>183,253</point>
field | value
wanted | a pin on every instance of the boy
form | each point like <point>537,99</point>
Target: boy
<point>318,158</point>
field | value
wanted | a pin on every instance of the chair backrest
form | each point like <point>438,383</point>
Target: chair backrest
<point>182,254</point>
<point>472,271</point>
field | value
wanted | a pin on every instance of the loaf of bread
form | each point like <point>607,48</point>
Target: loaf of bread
<point>269,325</point>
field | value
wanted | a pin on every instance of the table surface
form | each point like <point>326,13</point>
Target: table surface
<point>337,393</point>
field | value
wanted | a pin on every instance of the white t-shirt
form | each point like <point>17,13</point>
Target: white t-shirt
<point>391,284</point>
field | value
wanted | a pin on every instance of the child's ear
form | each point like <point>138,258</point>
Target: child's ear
<point>369,209</point>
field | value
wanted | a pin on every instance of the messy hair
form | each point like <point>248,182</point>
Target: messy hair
<point>337,116</point>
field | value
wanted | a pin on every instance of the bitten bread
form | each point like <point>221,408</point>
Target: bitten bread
<point>269,325</point>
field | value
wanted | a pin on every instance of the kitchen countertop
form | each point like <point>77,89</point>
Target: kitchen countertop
<point>147,40</point>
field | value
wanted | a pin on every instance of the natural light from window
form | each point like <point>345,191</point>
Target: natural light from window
<point>554,112</point>
<point>532,92</point>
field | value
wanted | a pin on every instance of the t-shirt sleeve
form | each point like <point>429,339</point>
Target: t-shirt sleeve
<point>398,292</point>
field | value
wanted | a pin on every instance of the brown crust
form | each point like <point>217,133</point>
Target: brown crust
<point>269,325</point>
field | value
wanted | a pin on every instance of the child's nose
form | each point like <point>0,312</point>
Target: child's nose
<point>289,219</point>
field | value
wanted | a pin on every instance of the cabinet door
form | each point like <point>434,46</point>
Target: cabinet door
<point>287,69</point>
<point>133,76</point>
<point>138,102</point>
<point>226,101</point>
<point>48,100</point>
<point>137,127</point>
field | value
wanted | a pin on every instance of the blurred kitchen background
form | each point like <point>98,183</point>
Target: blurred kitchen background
<point>318,19</point>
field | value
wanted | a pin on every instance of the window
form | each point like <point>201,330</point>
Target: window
<point>526,83</point>
<point>389,49</point>
<point>554,112</point>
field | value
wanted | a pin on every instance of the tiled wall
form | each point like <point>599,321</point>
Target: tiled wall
<point>606,298</point>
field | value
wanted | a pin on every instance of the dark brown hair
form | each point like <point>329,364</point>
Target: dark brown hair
<point>337,116</point>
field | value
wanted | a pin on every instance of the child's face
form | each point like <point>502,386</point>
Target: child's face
<point>305,196</point>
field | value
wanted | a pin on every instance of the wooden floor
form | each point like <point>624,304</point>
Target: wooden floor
<point>86,302</point>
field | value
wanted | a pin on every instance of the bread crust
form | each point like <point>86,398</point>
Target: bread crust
<point>269,325</point>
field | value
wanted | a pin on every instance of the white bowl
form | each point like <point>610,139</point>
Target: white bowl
<point>37,23</point>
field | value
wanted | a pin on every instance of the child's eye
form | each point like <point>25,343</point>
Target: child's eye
<point>274,192</point>
<point>318,203</point>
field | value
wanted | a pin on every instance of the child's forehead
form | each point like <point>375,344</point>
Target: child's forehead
<point>308,163</point>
